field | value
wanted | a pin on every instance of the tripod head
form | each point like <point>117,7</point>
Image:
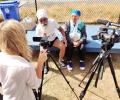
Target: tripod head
<point>108,35</point>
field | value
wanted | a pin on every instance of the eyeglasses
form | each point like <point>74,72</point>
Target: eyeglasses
<point>43,20</point>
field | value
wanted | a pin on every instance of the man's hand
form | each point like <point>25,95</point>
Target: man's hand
<point>63,34</point>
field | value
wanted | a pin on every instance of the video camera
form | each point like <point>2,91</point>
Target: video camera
<point>107,34</point>
<point>43,41</point>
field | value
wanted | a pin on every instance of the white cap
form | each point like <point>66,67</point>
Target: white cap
<point>41,13</point>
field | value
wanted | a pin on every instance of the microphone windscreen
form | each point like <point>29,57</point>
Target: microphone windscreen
<point>101,21</point>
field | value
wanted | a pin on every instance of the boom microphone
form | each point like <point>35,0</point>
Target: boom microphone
<point>101,21</point>
<point>105,22</point>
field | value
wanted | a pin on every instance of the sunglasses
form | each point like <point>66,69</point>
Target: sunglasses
<point>43,20</point>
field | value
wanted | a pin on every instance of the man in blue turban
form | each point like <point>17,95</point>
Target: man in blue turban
<point>76,37</point>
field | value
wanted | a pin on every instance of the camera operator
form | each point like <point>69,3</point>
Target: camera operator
<point>17,75</point>
<point>49,28</point>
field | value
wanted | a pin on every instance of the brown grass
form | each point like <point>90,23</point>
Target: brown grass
<point>61,12</point>
<point>90,12</point>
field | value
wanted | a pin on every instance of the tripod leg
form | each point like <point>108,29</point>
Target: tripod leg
<point>63,75</point>
<point>94,63</point>
<point>40,88</point>
<point>113,74</point>
<point>86,75</point>
<point>46,67</point>
<point>89,81</point>
<point>99,72</point>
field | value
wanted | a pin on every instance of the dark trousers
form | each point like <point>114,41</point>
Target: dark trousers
<point>70,50</point>
<point>1,97</point>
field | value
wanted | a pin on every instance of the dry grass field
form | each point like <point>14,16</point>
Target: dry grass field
<point>56,88</point>
<point>90,12</point>
<point>61,11</point>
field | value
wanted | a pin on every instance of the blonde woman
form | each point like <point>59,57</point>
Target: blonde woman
<point>17,75</point>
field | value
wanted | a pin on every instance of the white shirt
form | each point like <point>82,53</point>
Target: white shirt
<point>51,30</point>
<point>74,35</point>
<point>18,78</point>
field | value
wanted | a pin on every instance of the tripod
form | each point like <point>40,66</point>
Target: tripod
<point>98,66</point>
<point>39,94</point>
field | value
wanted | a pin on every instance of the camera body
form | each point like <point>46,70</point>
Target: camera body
<point>108,38</point>
<point>108,35</point>
<point>105,35</point>
<point>43,41</point>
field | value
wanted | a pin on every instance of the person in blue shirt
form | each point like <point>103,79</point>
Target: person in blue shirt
<point>76,36</point>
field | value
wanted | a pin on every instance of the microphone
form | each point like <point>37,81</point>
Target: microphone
<point>106,22</point>
<point>101,21</point>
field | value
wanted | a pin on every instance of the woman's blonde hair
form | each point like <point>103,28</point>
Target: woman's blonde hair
<point>13,39</point>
